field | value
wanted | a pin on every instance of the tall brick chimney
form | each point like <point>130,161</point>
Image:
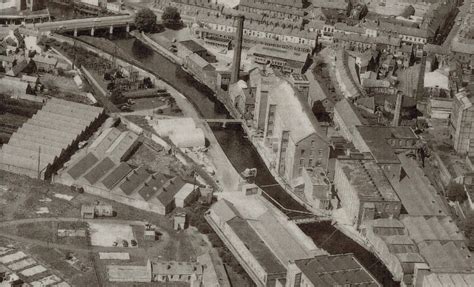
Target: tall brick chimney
<point>238,49</point>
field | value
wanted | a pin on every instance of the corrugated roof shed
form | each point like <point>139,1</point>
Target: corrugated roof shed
<point>102,143</point>
<point>82,166</point>
<point>169,190</point>
<point>134,180</point>
<point>33,138</point>
<point>113,178</point>
<point>100,170</point>
<point>45,148</point>
<point>122,145</point>
<point>153,185</point>
<point>61,118</point>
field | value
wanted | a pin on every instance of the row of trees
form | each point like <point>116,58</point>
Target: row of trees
<point>146,20</point>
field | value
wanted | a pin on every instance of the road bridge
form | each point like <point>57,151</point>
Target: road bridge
<point>224,122</point>
<point>75,25</point>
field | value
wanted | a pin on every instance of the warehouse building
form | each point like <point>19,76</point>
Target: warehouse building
<point>247,224</point>
<point>45,142</point>
<point>103,171</point>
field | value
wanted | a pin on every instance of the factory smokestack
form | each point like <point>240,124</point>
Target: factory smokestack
<point>398,110</point>
<point>238,49</point>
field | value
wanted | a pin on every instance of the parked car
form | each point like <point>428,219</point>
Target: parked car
<point>124,243</point>
<point>133,242</point>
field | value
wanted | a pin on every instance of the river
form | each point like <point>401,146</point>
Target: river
<point>242,154</point>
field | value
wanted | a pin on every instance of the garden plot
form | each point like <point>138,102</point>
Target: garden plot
<point>33,270</point>
<point>22,264</point>
<point>106,234</point>
<point>12,257</point>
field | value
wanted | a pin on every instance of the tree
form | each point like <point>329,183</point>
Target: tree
<point>116,97</point>
<point>145,20</point>
<point>171,16</point>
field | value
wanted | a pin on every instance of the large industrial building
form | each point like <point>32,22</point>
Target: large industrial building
<point>262,239</point>
<point>364,191</point>
<point>103,171</point>
<point>47,140</point>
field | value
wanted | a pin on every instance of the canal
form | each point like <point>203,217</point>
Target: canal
<point>243,155</point>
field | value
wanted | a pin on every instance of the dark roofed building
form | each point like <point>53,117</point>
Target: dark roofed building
<point>166,196</point>
<point>100,170</point>
<point>134,180</point>
<point>194,47</point>
<point>153,185</point>
<point>383,144</point>
<point>113,178</point>
<point>329,270</point>
<point>82,166</point>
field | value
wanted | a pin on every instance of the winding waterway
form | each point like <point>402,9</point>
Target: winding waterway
<point>242,154</point>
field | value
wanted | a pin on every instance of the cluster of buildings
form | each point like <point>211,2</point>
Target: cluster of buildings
<point>21,68</point>
<point>95,6</point>
<point>293,143</point>
<point>273,250</point>
<point>102,170</point>
<point>190,273</point>
<point>393,206</point>
<point>46,141</point>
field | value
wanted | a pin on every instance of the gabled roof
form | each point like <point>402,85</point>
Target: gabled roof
<point>134,180</point>
<point>113,178</point>
<point>101,169</point>
<point>82,165</point>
